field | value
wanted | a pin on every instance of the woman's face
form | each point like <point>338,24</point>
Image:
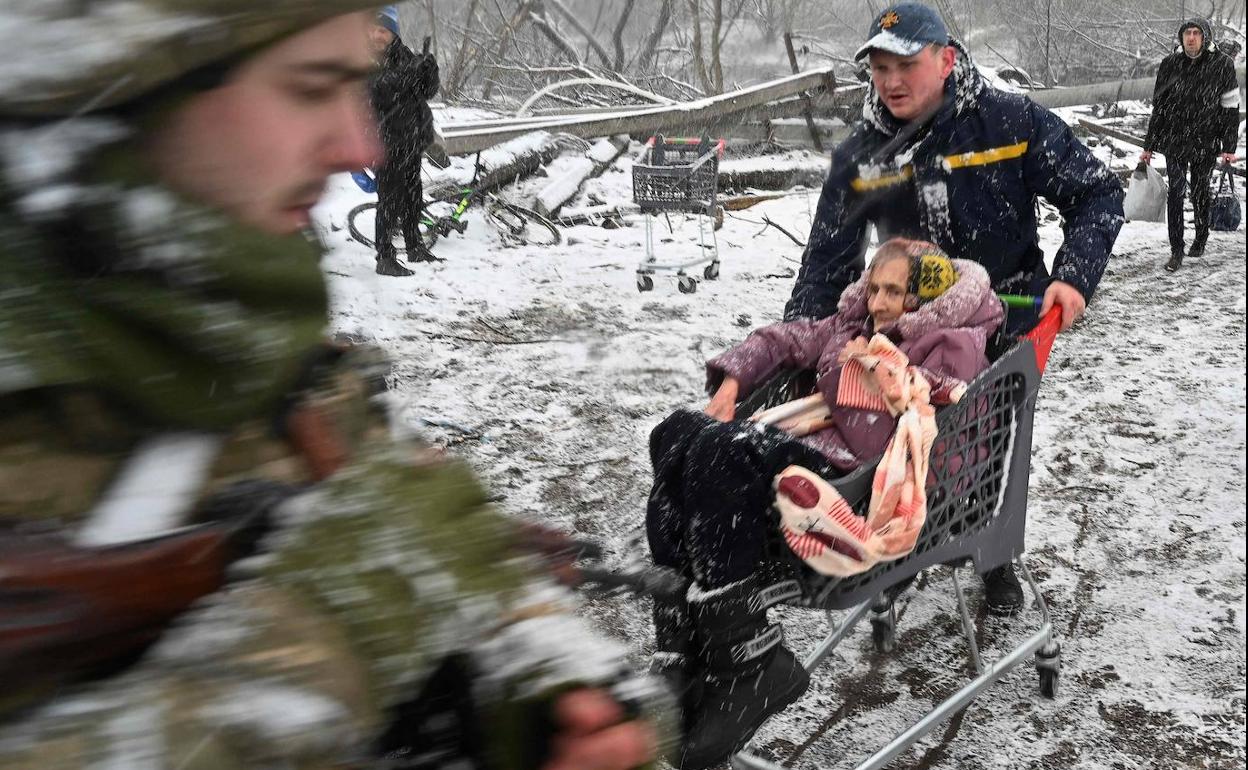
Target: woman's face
<point>886,291</point>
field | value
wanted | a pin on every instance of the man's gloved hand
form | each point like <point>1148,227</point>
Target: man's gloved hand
<point>427,76</point>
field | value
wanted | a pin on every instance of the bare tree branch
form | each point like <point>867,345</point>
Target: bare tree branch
<point>544,26</point>
<point>646,59</point>
<point>580,27</point>
<point>618,37</point>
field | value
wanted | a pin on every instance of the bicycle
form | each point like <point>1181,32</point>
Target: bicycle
<point>513,223</point>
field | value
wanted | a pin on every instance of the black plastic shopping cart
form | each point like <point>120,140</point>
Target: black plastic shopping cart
<point>977,513</point>
<point>679,175</point>
<point>977,498</point>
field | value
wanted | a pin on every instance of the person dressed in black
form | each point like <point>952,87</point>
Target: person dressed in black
<point>401,90</point>
<point>1195,117</point>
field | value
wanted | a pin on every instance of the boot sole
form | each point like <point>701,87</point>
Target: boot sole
<point>788,698</point>
<point>1002,611</point>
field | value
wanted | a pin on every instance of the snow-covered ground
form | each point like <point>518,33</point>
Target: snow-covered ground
<point>547,369</point>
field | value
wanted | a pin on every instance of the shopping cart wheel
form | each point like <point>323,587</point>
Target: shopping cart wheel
<point>1049,667</point>
<point>1048,683</point>
<point>644,282</point>
<point>687,284</point>
<point>882,637</point>
<point>711,272</point>
<point>883,624</point>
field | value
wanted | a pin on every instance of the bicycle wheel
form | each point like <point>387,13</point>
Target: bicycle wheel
<point>521,225</point>
<point>354,230</point>
<point>428,234</point>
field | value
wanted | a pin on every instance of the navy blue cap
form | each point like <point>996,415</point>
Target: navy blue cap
<point>388,17</point>
<point>905,29</point>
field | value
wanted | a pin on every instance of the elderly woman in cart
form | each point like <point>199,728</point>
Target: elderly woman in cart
<point>914,329</point>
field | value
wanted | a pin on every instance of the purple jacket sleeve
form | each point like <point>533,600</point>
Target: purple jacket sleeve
<point>795,344</point>
<point>957,353</point>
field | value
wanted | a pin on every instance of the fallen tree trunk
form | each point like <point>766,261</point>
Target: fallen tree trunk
<point>1099,93</point>
<point>1097,128</point>
<point>566,187</point>
<point>499,165</point>
<point>596,215</point>
<point>743,202</point>
<point>777,175</point>
<point>1138,141</point>
<point>646,120</point>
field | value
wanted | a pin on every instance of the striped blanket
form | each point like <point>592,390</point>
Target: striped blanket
<point>817,523</point>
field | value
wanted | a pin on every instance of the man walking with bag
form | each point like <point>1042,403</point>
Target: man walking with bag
<point>1194,121</point>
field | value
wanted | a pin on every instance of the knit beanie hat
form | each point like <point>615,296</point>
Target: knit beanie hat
<point>931,274</point>
<point>931,271</point>
<point>388,17</point>
<point>65,58</point>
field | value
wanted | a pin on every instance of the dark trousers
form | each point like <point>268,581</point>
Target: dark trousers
<point>399,204</point>
<point>709,509</point>
<point>1181,171</point>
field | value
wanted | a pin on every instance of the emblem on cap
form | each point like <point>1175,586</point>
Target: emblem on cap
<point>889,20</point>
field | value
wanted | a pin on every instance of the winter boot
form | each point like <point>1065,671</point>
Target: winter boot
<point>421,253</point>
<point>390,266</point>
<point>417,251</point>
<point>749,675</point>
<point>1176,261</point>
<point>1002,591</point>
<point>675,658</point>
<point>1197,250</point>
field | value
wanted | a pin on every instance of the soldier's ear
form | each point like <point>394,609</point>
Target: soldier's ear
<point>912,303</point>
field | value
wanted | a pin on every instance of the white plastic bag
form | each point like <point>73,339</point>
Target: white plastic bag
<point>1146,196</point>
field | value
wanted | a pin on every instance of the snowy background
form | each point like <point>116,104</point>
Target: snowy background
<point>546,368</point>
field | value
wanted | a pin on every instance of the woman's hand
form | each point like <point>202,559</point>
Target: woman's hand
<point>855,347</point>
<point>723,406</point>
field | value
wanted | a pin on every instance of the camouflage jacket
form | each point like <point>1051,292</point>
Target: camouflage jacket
<point>131,321</point>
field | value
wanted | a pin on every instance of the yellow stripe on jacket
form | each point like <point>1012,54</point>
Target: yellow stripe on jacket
<point>984,157</point>
<point>963,160</point>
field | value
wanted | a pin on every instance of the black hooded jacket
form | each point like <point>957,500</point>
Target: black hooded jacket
<point>1195,102</point>
<point>401,90</point>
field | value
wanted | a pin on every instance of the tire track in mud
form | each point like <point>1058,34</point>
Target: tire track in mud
<point>1116,534</point>
<point>862,694</point>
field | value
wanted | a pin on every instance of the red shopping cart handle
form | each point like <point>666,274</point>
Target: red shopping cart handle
<point>1045,333</point>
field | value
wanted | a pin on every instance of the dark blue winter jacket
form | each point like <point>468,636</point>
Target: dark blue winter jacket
<point>987,158</point>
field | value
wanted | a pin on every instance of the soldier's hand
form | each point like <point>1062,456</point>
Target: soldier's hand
<point>558,551</point>
<point>592,736</point>
<point>1228,158</point>
<point>1068,298</point>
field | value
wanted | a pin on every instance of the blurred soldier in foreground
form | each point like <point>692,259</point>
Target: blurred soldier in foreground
<point>214,552</point>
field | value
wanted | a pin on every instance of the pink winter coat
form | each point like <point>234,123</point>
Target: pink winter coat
<point>945,338</point>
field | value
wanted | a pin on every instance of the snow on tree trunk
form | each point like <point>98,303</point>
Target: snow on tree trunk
<point>566,187</point>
